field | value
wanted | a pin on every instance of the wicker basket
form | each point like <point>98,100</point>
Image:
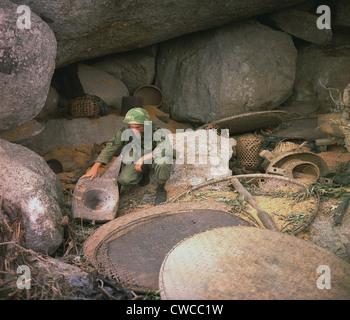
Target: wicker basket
<point>84,107</point>
<point>248,148</point>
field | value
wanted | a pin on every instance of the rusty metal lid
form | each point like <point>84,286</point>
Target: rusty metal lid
<point>248,263</point>
<point>280,160</point>
<point>132,248</point>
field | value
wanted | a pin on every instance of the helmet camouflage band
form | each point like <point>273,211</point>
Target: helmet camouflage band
<point>136,116</point>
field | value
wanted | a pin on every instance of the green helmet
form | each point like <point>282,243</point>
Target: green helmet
<point>136,116</point>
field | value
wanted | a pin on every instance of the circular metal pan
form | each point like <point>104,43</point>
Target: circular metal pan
<point>240,263</point>
<point>248,122</point>
<point>132,248</point>
<point>151,95</point>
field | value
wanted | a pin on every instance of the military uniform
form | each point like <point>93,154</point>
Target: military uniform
<point>161,164</point>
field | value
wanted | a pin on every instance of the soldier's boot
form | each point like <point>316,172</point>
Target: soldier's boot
<point>145,179</point>
<point>161,194</point>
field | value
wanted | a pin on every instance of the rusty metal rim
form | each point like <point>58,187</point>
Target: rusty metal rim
<point>308,156</point>
<point>302,227</point>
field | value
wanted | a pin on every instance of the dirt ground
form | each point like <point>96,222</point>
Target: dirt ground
<point>287,206</point>
<point>135,199</point>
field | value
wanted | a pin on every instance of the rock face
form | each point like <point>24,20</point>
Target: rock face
<point>242,67</point>
<point>28,182</point>
<point>302,25</point>
<point>90,28</point>
<point>318,68</point>
<point>27,62</point>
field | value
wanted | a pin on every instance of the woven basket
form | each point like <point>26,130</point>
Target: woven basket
<point>132,248</point>
<point>248,148</point>
<point>84,107</point>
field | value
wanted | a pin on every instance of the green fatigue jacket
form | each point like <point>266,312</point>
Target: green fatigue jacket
<point>154,140</point>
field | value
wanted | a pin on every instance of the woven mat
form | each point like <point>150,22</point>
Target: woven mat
<point>133,253</point>
<point>248,122</point>
<point>251,263</point>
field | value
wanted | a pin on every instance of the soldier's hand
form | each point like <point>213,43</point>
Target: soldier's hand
<point>138,165</point>
<point>92,173</point>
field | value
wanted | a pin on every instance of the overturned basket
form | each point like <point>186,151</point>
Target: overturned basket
<point>84,107</point>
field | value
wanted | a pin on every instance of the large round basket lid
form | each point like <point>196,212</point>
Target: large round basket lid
<point>132,248</point>
<point>254,264</point>
<point>247,122</point>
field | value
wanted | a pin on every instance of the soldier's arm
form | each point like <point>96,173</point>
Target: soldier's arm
<point>105,156</point>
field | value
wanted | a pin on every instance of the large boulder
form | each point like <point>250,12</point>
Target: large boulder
<point>342,21</point>
<point>28,182</point>
<point>91,28</point>
<point>99,83</point>
<point>302,25</point>
<point>27,62</point>
<point>51,108</point>
<point>320,76</point>
<point>242,67</point>
<point>134,69</point>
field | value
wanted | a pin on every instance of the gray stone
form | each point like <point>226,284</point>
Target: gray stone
<point>301,25</point>
<point>242,67</point>
<point>334,238</point>
<point>27,62</point>
<point>28,182</point>
<point>51,108</point>
<point>134,69</point>
<point>76,132</point>
<point>102,84</point>
<point>23,133</point>
<point>342,21</point>
<point>319,68</point>
<point>90,28</point>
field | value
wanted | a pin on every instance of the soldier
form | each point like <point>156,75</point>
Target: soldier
<point>137,164</point>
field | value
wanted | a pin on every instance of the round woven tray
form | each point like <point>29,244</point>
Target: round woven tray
<point>248,122</point>
<point>251,263</point>
<point>132,248</point>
